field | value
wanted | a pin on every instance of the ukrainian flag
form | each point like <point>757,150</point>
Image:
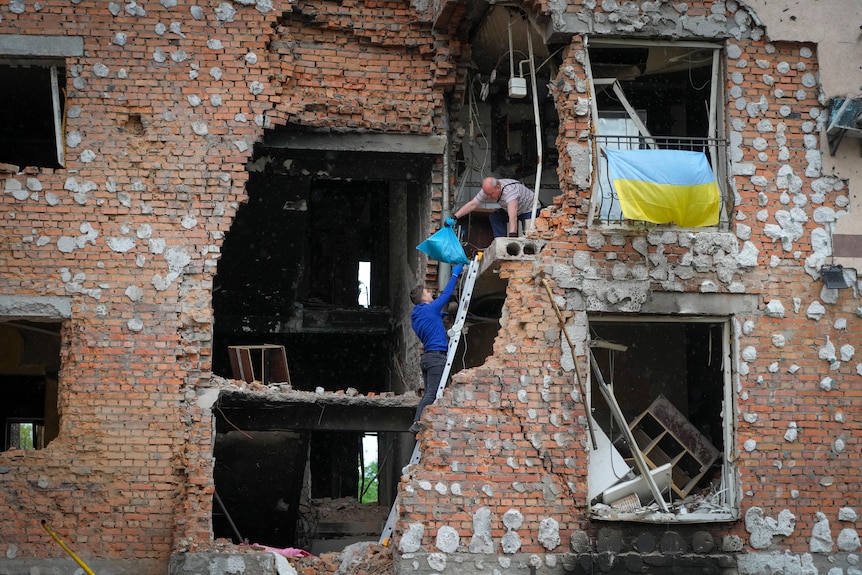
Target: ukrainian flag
<point>665,186</point>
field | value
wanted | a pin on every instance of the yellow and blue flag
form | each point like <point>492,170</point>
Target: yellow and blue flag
<point>665,186</point>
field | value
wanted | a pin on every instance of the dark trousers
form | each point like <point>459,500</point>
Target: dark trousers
<point>433,363</point>
<point>500,221</point>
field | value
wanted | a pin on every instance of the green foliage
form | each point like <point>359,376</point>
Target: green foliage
<point>368,486</point>
<point>25,435</point>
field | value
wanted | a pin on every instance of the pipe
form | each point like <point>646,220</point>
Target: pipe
<point>444,270</point>
<point>446,206</point>
<point>227,516</point>
<point>581,381</point>
<point>539,150</point>
<point>511,48</point>
<point>66,548</point>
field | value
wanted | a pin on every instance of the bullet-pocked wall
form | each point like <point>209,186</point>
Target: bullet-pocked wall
<point>116,206</point>
<point>731,325</point>
<point>114,221</point>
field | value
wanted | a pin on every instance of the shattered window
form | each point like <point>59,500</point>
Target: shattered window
<point>658,101</point>
<point>31,112</point>
<point>662,421</point>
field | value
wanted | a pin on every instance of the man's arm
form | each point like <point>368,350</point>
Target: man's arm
<point>446,295</point>
<point>467,208</point>
<point>512,209</point>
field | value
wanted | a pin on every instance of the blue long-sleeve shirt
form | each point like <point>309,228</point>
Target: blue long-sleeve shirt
<point>427,320</point>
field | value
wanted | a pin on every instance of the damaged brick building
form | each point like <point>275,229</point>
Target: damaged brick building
<point>207,244</point>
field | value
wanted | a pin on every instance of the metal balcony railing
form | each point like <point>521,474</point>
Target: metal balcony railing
<point>606,204</point>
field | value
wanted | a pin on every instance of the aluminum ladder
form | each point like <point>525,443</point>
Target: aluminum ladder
<point>454,340</point>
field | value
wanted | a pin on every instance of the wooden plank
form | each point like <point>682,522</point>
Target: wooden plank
<point>278,366</point>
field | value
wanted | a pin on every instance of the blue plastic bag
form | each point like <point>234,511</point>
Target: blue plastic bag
<point>444,246</point>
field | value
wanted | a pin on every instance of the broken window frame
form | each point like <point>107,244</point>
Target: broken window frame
<point>54,66</point>
<point>716,145</point>
<point>730,496</point>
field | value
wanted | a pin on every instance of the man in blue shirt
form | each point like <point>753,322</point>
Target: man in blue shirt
<point>427,322</point>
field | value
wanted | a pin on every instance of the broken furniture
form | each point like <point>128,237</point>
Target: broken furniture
<point>665,436</point>
<point>639,459</point>
<point>634,493</point>
<point>264,364</point>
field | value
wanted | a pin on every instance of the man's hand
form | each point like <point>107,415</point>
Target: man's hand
<point>456,271</point>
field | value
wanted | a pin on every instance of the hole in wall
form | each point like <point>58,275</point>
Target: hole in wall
<point>134,125</point>
<point>32,106</point>
<point>670,381</point>
<point>314,263</point>
<point>513,248</point>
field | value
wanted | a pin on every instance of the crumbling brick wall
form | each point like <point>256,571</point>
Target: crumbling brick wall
<point>163,110</point>
<point>503,470</point>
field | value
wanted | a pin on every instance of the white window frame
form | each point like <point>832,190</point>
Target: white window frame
<point>50,52</point>
<point>730,493</point>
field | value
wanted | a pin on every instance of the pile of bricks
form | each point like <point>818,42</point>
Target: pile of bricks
<point>372,559</point>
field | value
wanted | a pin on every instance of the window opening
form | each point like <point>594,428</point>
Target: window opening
<point>369,469</point>
<point>315,490</point>
<point>671,383</point>
<point>342,232</point>
<point>654,96</point>
<point>364,280</point>
<point>29,367</point>
<point>25,434</point>
<point>32,106</point>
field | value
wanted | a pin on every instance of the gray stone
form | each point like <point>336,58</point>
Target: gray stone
<point>645,543</point>
<point>672,543</point>
<point>580,542</point>
<point>549,533</point>
<point>702,542</point>
<point>821,537</point>
<point>447,539</point>
<point>609,540</point>
<point>481,541</point>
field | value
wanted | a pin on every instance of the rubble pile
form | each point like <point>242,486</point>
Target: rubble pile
<point>357,559</point>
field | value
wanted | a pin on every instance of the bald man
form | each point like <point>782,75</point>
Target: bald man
<point>515,199</point>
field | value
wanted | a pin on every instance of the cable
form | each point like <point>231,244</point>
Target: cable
<point>691,81</point>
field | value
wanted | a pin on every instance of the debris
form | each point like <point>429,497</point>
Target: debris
<point>628,503</point>
<point>365,558</point>
<point>287,551</point>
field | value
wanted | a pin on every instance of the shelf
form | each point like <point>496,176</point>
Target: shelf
<point>665,436</point>
<point>264,364</point>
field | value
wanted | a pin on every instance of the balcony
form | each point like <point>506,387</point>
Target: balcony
<point>606,208</point>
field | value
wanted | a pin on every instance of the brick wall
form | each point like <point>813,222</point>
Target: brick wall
<point>509,436</point>
<point>163,110</point>
<point>162,120</point>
